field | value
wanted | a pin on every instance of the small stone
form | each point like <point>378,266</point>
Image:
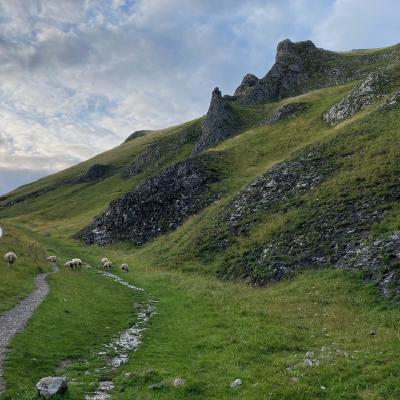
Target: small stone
<point>323,388</point>
<point>308,363</point>
<point>293,379</point>
<point>51,386</point>
<point>236,383</point>
<point>179,382</point>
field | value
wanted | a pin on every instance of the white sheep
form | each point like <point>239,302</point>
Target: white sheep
<point>107,265</point>
<point>52,259</point>
<point>69,264</point>
<point>125,267</point>
<point>77,263</point>
<point>103,261</point>
<point>10,258</point>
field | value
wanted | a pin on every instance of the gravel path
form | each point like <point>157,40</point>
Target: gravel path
<point>14,320</point>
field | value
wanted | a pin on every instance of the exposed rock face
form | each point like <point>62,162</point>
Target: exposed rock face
<point>288,111</point>
<point>137,134</point>
<point>94,172</point>
<point>362,96</point>
<point>219,124</point>
<point>335,233</point>
<point>283,183</point>
<point>391,102</point>
<point>295,65</point>
<point>51,386</point>
<point>158,205</point>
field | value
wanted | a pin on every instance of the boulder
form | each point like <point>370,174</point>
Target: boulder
<point>50,386</point>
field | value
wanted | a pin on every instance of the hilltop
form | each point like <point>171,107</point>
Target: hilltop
<point>290,184</point>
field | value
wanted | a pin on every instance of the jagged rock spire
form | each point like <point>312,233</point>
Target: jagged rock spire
<point>295,64</point>
<point>219,124</point>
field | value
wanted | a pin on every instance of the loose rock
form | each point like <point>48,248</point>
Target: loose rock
<point>51,386</point>
<point>236,383</point>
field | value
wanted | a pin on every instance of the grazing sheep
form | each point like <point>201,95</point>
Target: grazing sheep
<point>52,259</point>
<point>77,263</point>
<point>103,261</point>
<point>107,265</point>
<point>125,267</point>
<point>10,258</point>
<point>69,264</point>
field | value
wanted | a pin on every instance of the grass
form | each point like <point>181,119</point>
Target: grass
<point>17,280</point>
<point>82,313</point>
<point>211,332</point>
<point>208,331</point>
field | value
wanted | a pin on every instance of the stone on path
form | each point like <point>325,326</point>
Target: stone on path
<point>51,386</point>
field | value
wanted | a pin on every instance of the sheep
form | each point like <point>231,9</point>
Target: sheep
<point>107,265</point>
<point>77,263</point>
<point>103,261</point>
<point>10,258</point>
<point>125,267</point>
<point>69,264</point>
<point>52,259</point>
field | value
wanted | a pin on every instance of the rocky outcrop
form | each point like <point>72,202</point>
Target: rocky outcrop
<point>334,233</point>
<point>137,134</point>
<point>295,65</point>
<point>284,182</point>
<point>94,172</point>
<point>366,92</point>
<point>287,111</point>
<point>219,124</point>
<point>158,205</point>
<point>391,102</point>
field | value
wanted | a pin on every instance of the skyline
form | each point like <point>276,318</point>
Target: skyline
<point>79,76</point>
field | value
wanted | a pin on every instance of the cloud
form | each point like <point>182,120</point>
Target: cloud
<point>78,76</point>
<point>359,24</point>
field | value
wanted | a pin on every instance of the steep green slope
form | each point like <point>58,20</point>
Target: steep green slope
<point>292,194</point>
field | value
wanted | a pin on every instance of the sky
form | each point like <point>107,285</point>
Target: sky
<point>78,76</point>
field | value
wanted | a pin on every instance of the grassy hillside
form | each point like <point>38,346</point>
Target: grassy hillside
<point>208,330</point>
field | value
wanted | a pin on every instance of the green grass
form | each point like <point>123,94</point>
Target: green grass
<point>211,332</point>
<point>208,331</point>
<point>17,280</point>
<point>82,313</point>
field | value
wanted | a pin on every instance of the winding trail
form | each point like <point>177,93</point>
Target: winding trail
<point>14,320</point>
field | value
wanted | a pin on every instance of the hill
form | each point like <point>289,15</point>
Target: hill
<point>293,178</point>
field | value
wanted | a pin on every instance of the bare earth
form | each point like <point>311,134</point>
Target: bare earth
<point>14,320</point>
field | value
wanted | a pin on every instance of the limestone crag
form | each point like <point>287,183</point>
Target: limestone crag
<point>219,124</point>
<point>295,64</point>
<point>284,182</point>
<point>158,205</point>
<point>366,92</point>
